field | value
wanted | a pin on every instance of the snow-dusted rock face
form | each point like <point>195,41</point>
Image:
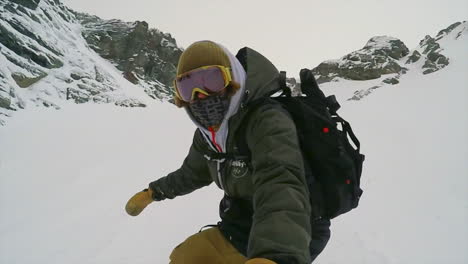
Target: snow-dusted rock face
<point>378,57</point>
<point>431,51</point>
<point>384,60</point>
<point>45,59</point>
<point>51,55</point>
<point>384,55</point>
<point>147,57</point>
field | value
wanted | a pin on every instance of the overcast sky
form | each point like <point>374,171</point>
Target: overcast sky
<point>293,33</point>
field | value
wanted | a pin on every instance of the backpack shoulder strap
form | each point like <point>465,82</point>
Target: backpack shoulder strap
<point>348,130</point>
<point>241,140</point>
<point>241,133</point>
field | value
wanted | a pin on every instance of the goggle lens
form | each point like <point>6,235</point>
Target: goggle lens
<point>210,79</point>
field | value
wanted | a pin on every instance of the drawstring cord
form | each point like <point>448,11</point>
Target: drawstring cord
<point>218,169</point>
<point>218,161</point>
<point>213,139</point>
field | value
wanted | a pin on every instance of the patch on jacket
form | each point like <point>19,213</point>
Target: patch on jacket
<point>239,168</point>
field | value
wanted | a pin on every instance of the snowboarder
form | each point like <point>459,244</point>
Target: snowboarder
<point>265,213</point>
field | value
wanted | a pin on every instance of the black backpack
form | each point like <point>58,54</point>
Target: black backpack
<point>333,166</point>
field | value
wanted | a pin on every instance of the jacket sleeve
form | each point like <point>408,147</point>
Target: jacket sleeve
<point>281,228</point>
<point>192,175</point>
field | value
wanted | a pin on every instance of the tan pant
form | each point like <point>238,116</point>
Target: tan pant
<point>206,247</point>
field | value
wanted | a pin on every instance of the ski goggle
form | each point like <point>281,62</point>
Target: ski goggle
<point>205,80</point>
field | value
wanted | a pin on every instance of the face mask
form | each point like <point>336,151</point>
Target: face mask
<point>210,111</point>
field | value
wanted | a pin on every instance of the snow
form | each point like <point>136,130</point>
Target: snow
<point>83,163</point>
<point>66,175</point>
<point>380,42</point>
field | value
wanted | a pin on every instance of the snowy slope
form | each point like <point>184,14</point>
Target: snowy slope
<point>45,60</point>
<point>415,205</point>
<point>66,175</point>
<point>83,163</point>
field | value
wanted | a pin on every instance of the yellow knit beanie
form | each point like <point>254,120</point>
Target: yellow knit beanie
<point>202,53</point>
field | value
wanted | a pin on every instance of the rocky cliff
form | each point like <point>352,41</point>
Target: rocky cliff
<point>147,57</point>
<point>387,58</point>
<point>51,55</point>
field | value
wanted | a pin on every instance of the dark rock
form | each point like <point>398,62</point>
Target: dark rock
<point>24,81</point>
<point>391,67</point>
<point>387,46</point>
<point>12,8</point>
<point>31,4</point>
<point>414,57</point>
<point>442,60</point>
<point>360,72</point>
<point>5,102</point>
<point>21,29</point>
<point>47,15</point>
<point>429,44</point>
<point>142,54</point>
<point>358,95</point>
<point>98,75</point>
<point>430,70</point>
<point>21,11</point>
<point>434,59</point>
<point>392,80</point>
<point>35,18</point>
<point>76,77</point>
<point>90,89</point>
<point>379,56</point>
<point>446,31</point>
<point>64,16</point>
<point>429,67</point>
<point>129,103</point>
<point>17,46</point>
<point>79,97</point>
<point>437,58</point>
<point>131,77</point>
<point>47,104</point>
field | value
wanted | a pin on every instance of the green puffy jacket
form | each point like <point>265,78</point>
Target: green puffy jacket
<point>274,181</point>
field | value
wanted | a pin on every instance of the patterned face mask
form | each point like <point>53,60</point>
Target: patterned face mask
<point>210,111</point>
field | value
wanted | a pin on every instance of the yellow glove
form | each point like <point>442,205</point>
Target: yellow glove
<point>260,261</point>
<point>138,202</point>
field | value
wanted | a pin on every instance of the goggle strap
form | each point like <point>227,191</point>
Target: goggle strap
<point>228,78</point>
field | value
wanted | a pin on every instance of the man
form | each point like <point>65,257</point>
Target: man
<point>265,214</point>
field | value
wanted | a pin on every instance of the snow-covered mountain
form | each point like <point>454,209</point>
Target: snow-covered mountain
<point>384,60</point>
<point>147,57</point>
<point>50,54</point>
<point>378,57</point>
